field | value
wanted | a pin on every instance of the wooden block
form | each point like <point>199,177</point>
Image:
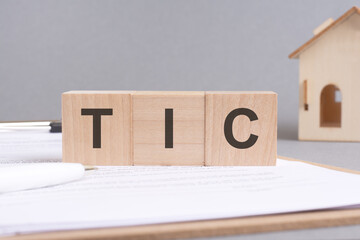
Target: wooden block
<point>241,128</point>
<point>168,128</point>
<point>84,141</point>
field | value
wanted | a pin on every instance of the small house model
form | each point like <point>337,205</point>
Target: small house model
<point>329,80</point>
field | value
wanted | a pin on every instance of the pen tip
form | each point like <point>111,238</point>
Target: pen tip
<point>87,167</point>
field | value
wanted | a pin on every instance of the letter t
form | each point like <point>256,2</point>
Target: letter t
<point>96,113</point>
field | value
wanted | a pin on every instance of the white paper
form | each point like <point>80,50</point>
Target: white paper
<point>30,146</point>
<point>126,196</point>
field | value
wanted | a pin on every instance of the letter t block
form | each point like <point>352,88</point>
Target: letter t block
<point>96,127</point>
<point>241,128</point>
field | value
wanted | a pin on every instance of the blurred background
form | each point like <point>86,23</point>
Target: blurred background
<point>49,47</point>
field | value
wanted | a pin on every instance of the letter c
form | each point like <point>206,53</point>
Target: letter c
<point>229,124</point>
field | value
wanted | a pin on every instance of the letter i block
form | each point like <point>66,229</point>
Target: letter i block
<point>168,128</point>
<point>96,127</point>
<point>241,128</point>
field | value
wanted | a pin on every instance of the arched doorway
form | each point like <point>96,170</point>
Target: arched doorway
<point>330,106</point>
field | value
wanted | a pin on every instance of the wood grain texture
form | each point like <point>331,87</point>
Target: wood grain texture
<point>211,228</point>
<point>218,151</point>
<point>149,128</point>
<point>115,129</point>
<point>297,52</point>
<point>332,60</point>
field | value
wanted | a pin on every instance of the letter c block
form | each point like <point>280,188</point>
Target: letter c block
<point>96,127</point>
<point>241,128</point>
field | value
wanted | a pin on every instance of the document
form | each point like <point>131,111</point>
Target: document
<point>30,146</point>
<point>137,195</point>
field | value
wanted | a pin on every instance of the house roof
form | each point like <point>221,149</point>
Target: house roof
<point>351,11</point>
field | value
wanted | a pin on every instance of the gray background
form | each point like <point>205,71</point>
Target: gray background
<point>48,47</point>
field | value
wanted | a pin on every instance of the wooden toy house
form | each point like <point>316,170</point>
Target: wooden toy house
<point>329,80</point>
